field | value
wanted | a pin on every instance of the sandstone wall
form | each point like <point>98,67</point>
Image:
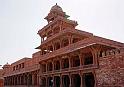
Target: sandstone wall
<point>111,71</point>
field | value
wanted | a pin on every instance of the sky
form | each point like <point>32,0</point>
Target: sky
<point>20,21</point>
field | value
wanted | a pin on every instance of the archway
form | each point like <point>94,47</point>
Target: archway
<point>50,66</point>
<point>65,63</point>
<point>76,80</point>
<point>89,80</point>
<point>57,65</point>
<point>75,61</point>
<point>65,42</point>
<point>65,81</point>
<point>57,81</point>
<point>43,82</point>
<point>88,58</point>
<point>50,81</point>
<point>30,79</point>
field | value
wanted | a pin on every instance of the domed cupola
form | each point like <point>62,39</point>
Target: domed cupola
<point>56,11</point>
<point>56,8</point>
<point>6,66</point>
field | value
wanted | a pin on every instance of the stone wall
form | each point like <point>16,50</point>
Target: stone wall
<point>1,82</point>
<point>111,71</point>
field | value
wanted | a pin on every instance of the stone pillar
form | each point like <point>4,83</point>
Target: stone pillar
<point>46,67</point>
<point>61,81</point>
<point>53,46</point>
<point>38,79</point>
<point>9,80</point>
<point>70,80</point>
<point>60,64</point>
<point>33,79</point>
<point>70,63</point>
<point>53,81</point>
<point>46,81</point>
<point>24,79</point>
<point>95,55</point>
<point>81,57</point>
<point>81,80</point>
<point>12,80</point>
<point>60,43</point>
<point>6,81</point>
<point>70,39</point>
<point>16,80</point>
<point>20,80</point>
<point>41,39</point>
<point>53,65</point>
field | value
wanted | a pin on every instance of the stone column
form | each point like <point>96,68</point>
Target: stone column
<point>9,81</point>
<point>81,80</point>
<point>12,80</point>
<point>46,67</point>
<point>61,81</point>
<point>33,79</point>
<point>60,43</point>
<point>46,81</point>
<point>53,81</point>
<point>38,78</point>
<point>6,80</point>
<point>70,80</point>
<point>70,39</point>
<point>53,46</point>
<point>17,80</point>
<point>60,26</point>
<point>70,63</point>
<point>60,64</point>
<point>20,80</point>
<point>53,66</point>
<point>81,59</point>
<point>24,79</point>
<point>38,81</point>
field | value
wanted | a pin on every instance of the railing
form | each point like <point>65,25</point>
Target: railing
<point>88,66</point>
<point>83,67</point>
<point>26,69</point>
<point>69,48</point>
<point>65,31</point>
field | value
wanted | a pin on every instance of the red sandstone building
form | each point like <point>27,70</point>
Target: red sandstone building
<point>68,58</point>
<point>1,78</point>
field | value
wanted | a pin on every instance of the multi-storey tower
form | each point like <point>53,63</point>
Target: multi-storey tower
<point>59,32</point>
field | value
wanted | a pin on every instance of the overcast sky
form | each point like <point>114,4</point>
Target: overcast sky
<point>20,21</point>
